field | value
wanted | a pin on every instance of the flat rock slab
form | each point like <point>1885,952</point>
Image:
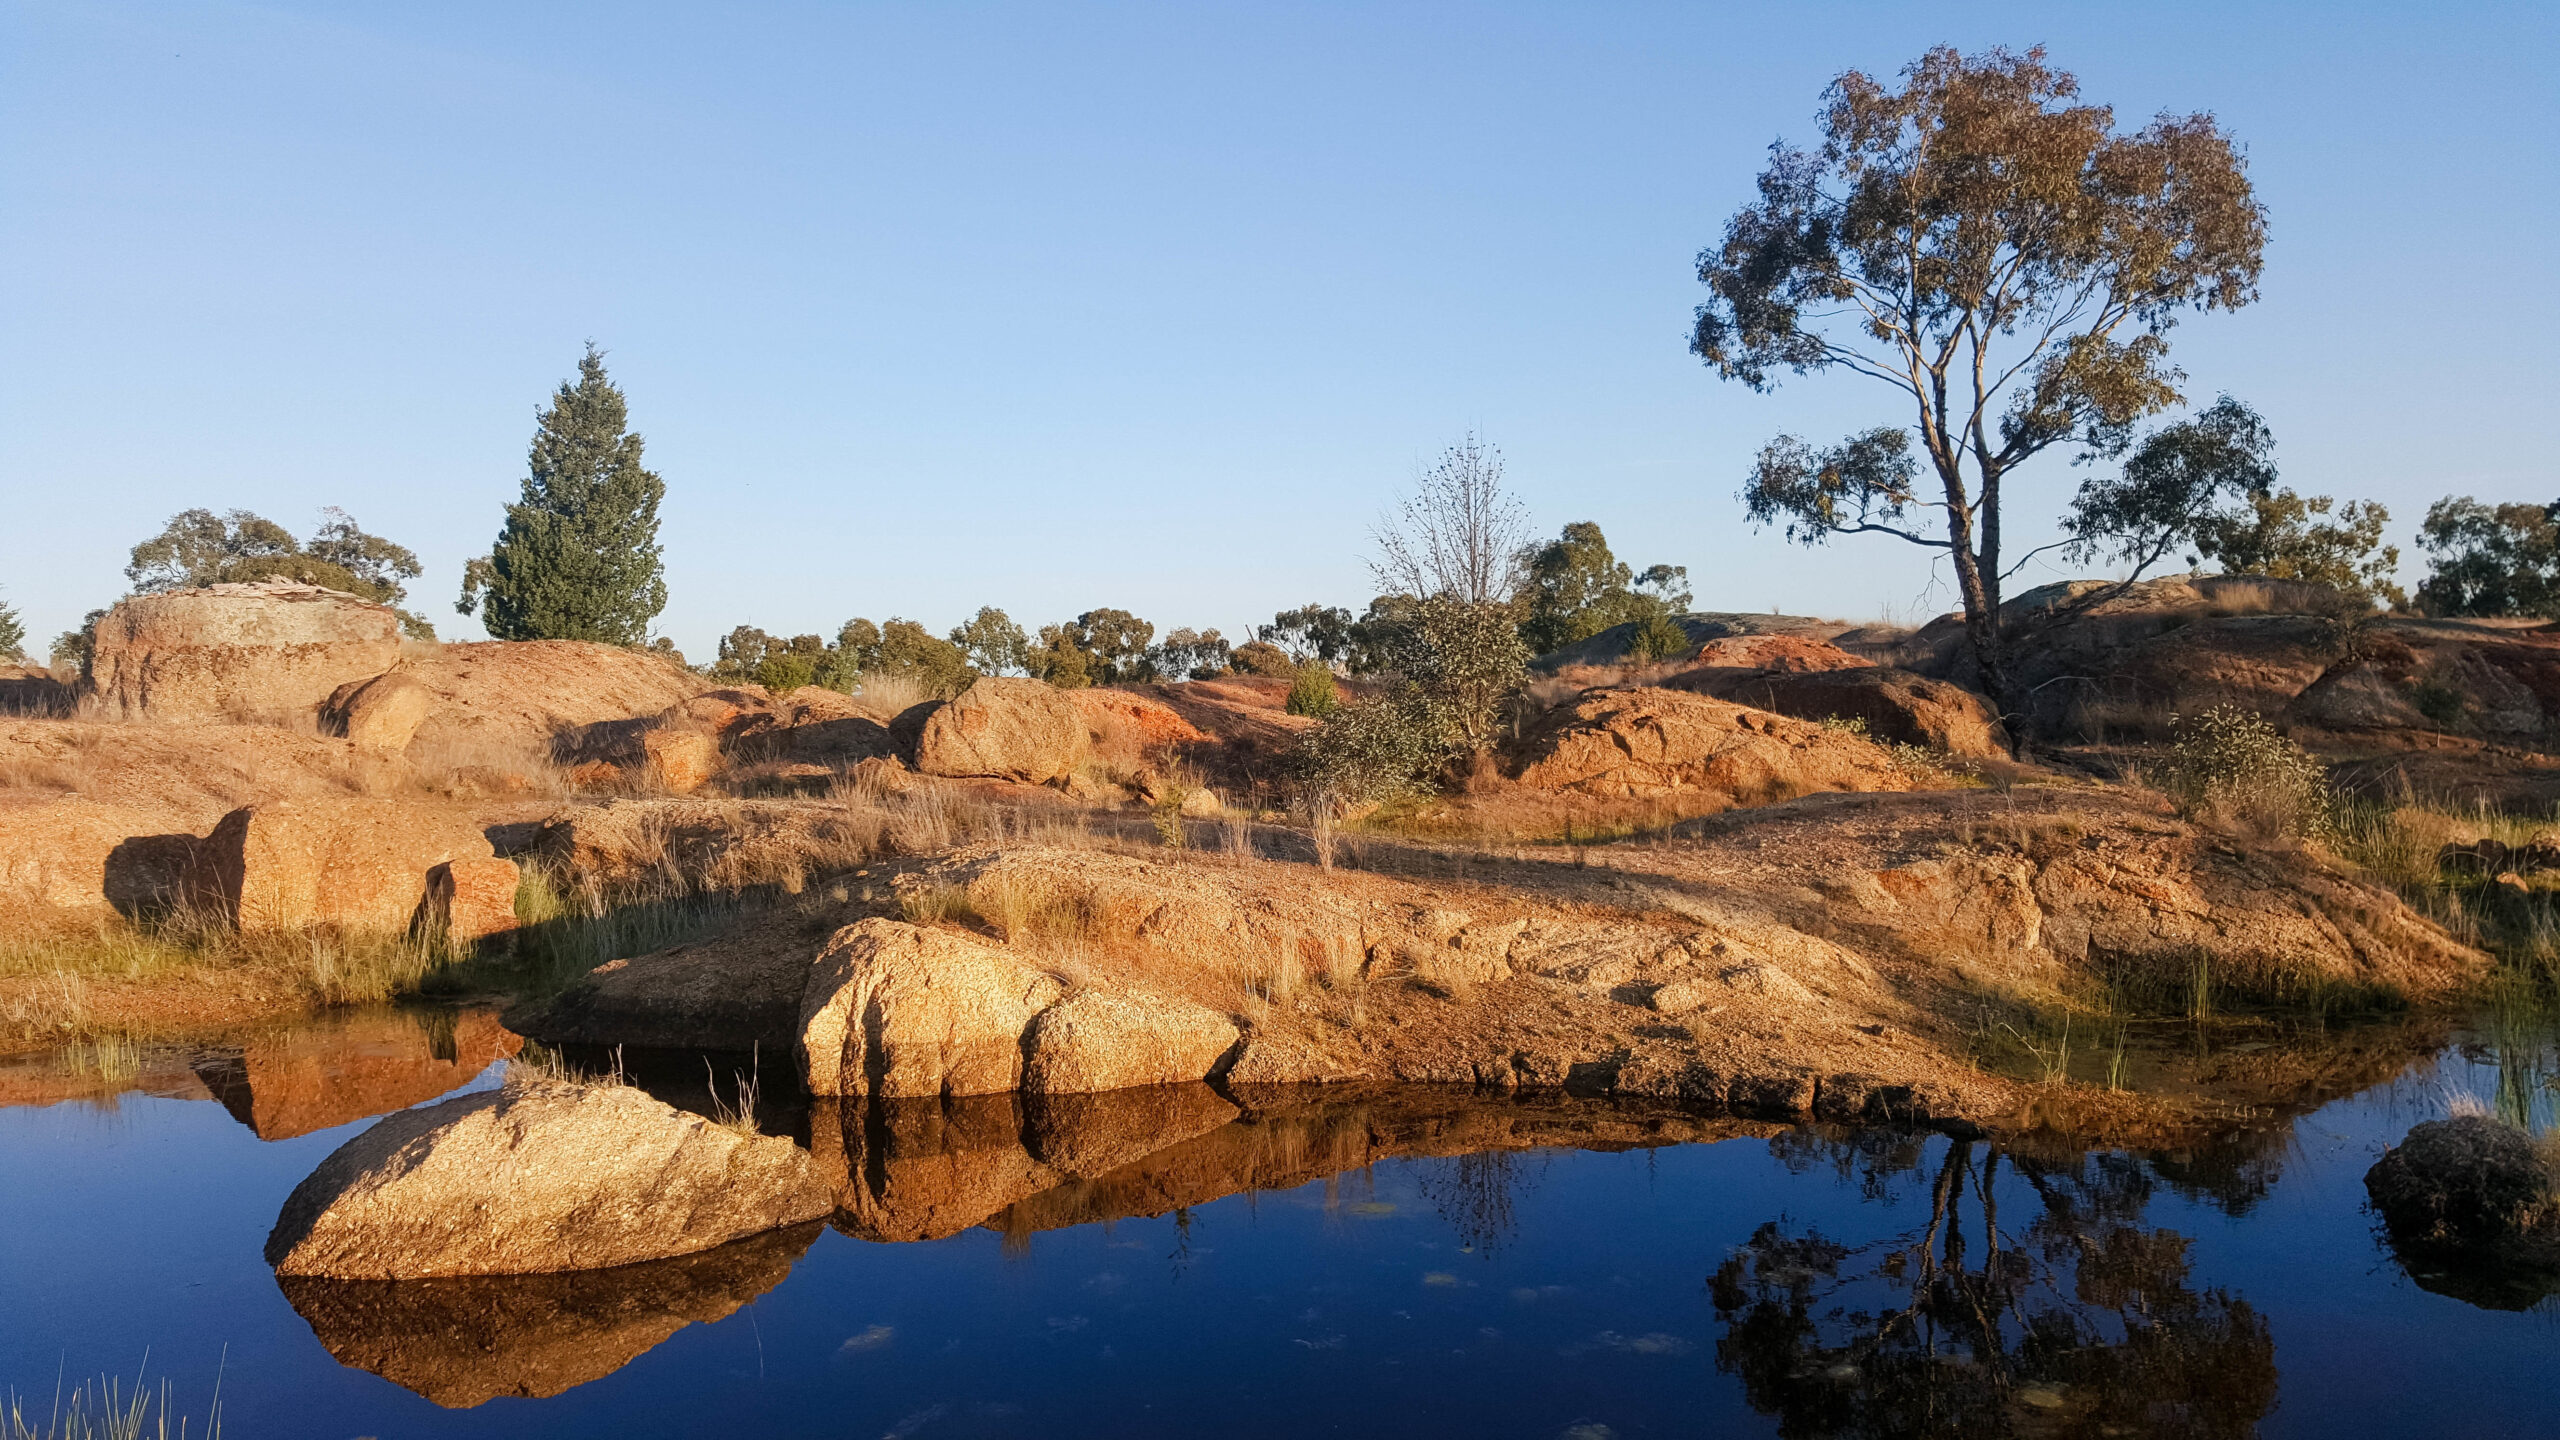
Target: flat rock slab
<point>538,1178</point>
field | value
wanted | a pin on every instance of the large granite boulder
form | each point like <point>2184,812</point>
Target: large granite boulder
<point>1642,741</point>
<point>535,1178</point>
<point>275,650</point>
<point>352,863</point>
<point>895,1010</point>
<point>1101,1040</point>
<point>1024,730</point>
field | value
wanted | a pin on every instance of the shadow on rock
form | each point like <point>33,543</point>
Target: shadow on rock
<point>463,1341</point>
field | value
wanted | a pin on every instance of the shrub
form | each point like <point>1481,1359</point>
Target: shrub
<point>1312,692</point>
<point>13,634</point>
<point>1658,638</point>
<point>1261,657</point>
<point>1375,750</point>
<point>2230,764</point>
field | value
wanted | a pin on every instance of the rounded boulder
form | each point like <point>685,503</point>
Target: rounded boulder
<point>1014,729</point>
<point>538,1178</point>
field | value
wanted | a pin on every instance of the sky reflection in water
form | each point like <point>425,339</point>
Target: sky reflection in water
<point>1801,1284</point>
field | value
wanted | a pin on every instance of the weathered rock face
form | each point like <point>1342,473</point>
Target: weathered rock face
<point>1643,741</point>
<point>1095,1040</point>
<point>273,650</point>
<point>471,902</point>
<point>381,714</point>
<point>1897,705</point>
<point>2466,1180</point>
<point>1014,729</point>
<point>71,855</point>
<point>1139,722</point>
<point>356,864</point>
<point>506,703</point>
<point>896,1010</point>
<point>466,1340</point>
<point>538,1178</point>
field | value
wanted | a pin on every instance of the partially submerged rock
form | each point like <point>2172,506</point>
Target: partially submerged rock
<point>2467,1180</point>
<point>896,1010</point>
<point>1097,1040</point>
<point>271,650</point>
<point>1644,741</point>
<point>535,1178</point>
<point>1005,729</point>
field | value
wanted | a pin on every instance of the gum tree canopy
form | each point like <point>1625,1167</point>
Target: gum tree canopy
<point>2000,254</point>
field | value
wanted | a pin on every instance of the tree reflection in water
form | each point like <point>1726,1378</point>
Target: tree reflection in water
<point>2083,1322</point>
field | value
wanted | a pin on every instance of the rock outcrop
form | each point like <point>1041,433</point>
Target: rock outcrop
<point>656,847</point>
<point>498,701</point>
<point>274,650</point>
<point>2467,1180</point>
<point>1128,720</point>
<point>1005,729</point>
<point>1113,1040</point>
<point>33,690</point>
<point>896,1010</point>
<point>1645,741</point>
<point>1896,706</point>
<point>534,1178</point>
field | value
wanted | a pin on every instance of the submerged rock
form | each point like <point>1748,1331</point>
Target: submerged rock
<point>537,1178</point>
<point>463,1341</point>
<point>2464,1180</point>
<point>894,1009</point>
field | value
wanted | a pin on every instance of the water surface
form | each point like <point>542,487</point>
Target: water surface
<point>1397,1263</point>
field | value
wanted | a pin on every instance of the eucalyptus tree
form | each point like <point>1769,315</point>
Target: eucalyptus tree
<point>2003,258</point>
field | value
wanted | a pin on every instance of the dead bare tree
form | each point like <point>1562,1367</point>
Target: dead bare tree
<point>1459,533</point>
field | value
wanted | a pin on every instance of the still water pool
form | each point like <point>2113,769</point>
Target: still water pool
<point>1400,1264</point>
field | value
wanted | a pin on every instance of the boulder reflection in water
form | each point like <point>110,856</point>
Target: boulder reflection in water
<point>462,1342</point>
<point>923,1169</point>
<point>349,1066</point>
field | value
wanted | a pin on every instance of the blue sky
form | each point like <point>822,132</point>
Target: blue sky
<point>1050,307</point>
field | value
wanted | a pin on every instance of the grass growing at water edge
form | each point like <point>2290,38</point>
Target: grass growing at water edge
<point>104,1409</point>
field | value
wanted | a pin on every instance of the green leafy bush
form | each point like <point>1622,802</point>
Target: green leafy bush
<point>1375,750</point>
<point>13,634</point>
<point>1658,638</point>
<point>1312,691</point>
<point>2230,765</point>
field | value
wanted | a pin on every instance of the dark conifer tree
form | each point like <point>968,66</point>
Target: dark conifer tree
<point>579,558</point>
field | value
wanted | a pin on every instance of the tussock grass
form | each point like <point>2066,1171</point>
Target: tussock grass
<point>2397,841</point>
<point>105,1409</point>
<point>69,973</point>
